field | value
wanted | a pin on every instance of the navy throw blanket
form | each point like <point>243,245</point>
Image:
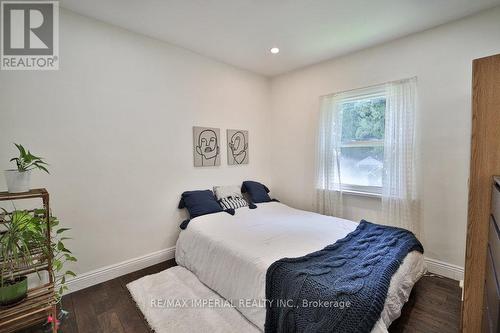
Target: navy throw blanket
<point>341,288</point>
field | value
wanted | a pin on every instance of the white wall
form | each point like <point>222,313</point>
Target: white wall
<point>115,123</point>
<point>441,58</point>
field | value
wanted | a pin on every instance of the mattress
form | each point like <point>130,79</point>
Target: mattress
<point>231,254</point>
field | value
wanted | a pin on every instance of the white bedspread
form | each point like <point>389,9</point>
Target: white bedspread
<point>231,254</point>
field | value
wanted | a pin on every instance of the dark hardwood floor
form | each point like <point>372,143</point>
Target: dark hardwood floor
<point>434,306</point>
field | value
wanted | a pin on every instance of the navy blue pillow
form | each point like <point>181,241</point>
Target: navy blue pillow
<point>258,192</point>
<point>199,203</point>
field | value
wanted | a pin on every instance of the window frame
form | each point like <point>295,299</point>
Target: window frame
<point>357,95</point>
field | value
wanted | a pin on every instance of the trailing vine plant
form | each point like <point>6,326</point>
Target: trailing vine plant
<point>60,254</point>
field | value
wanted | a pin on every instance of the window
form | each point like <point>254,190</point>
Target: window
<point>362,141</point>
<point>366,145</point>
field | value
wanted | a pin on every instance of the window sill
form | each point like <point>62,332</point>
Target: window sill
<point>363,194</point>
<point>356,192</point>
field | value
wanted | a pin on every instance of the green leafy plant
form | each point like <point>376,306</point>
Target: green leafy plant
<point>21,235</point>
<point>60,256</point>
<point>27,161</point>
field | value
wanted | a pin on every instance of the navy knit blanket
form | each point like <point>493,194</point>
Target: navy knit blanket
<point>341,288</point>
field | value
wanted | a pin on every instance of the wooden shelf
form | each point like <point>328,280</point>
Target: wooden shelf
<point>37,263</point>
<point>35,193</point>
<point>32,310</point>
<point>40,301</point>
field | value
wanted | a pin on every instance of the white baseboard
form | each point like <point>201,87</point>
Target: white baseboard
<point>445,269</point>
<point>103,274</point>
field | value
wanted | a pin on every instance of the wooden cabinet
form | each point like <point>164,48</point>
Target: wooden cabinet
<point>491,309</point>
<point>485,163</point>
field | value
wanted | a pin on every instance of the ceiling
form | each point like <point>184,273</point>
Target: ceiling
<point>241,32</point>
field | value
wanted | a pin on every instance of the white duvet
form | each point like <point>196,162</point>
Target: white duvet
<point>231,254</point>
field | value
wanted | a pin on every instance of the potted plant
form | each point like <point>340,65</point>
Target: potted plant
<point>18,180</point>
<point>22,242</point>
<point>20,234</point>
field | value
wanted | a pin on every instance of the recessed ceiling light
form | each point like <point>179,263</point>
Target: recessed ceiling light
<point>275,50</point>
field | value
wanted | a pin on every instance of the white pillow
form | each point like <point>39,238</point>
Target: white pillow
<point>233,191</point>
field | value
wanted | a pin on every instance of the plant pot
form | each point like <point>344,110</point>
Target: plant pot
<point>13,291</point>
<point>17,182</point>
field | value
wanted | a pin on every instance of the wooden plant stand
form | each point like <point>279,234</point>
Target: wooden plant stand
<point>41,301</point>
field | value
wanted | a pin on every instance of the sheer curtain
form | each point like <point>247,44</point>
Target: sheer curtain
<point>328,185</point>
<point>399,189</point>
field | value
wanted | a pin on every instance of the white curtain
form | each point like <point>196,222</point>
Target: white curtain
<point>328,186</point>
<point>399,189</point>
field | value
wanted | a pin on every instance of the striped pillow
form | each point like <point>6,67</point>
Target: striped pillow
<point>232,202</point>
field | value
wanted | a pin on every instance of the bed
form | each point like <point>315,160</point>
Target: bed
<point>231,254</point>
